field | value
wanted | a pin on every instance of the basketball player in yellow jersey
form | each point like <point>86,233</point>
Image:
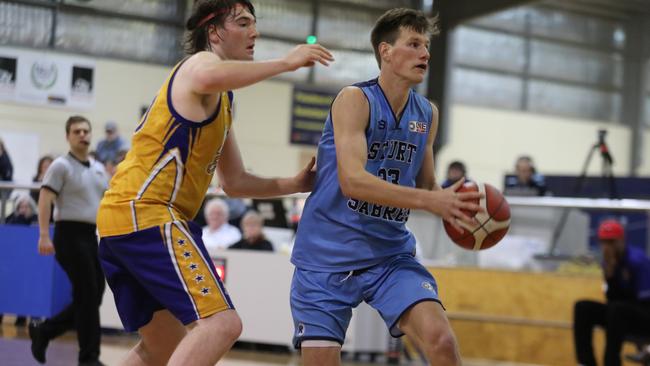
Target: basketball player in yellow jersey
<point>164,283</point>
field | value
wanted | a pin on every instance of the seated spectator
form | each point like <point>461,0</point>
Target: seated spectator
<point>24,214</point>
<point>455,171</point>
<point>24,211</point>
<point>110,147</point>
<point>218,233</point>
<point>526,182</point>
<point>252,224</point>
<point>627,311</point>
<point>43,163</point>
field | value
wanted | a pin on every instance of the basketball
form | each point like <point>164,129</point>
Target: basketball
<point>489,226</point>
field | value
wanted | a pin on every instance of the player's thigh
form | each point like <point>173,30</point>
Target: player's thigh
<point>135,305</point>
<point>321,305</point>
<point>396,287</point>
<point>163,332</point>
<point>171,264</point>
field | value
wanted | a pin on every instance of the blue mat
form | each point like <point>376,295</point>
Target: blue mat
<point>30,284</point>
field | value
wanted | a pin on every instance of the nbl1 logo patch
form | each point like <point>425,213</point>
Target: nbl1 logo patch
<point>418,127</point>
<point>428,286</point>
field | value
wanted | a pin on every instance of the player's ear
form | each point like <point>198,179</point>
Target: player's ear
<point>384,51</point>
<point>214,35</point>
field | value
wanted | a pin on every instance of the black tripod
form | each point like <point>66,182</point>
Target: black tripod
<point>607,178</point>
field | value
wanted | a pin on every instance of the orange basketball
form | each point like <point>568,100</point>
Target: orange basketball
<point>490,226</point>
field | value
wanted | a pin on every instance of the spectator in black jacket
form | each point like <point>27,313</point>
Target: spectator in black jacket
<point>24,211</point>
<point>253,239</point>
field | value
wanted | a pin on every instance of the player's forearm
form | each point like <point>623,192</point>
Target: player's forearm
<point>249,185</point>
<point>367,187</point>
<point>44,213</point>
<point>231,75</point>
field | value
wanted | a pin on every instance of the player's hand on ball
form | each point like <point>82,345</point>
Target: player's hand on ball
<point>489,224</point>
<point>453,207</point>
<point>306,55</point>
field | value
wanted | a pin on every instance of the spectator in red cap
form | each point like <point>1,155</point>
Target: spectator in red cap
<point>627,312</point>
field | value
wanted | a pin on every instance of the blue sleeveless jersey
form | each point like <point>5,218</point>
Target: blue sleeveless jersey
<point>338,233</point>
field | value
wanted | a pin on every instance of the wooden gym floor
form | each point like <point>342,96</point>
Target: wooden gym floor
<point>15,343</point>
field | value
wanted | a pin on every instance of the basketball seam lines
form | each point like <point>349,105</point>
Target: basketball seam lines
<point>486,221</point>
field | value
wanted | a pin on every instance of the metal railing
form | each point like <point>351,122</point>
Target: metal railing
<point>558,202</point>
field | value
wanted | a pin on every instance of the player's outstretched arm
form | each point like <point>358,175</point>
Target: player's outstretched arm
<point>207,74</point>
<point>237,182</point>
<point>350,115</point>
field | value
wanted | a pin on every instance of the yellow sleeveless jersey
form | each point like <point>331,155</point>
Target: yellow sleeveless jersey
<point>166,173</point>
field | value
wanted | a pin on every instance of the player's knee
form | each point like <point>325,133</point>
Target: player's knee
<point>234,328</point>
<point>443,345</point>
<point>227,324</point>
<point>152,356</point>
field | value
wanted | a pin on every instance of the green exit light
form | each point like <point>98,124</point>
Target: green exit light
<point>311,39</point>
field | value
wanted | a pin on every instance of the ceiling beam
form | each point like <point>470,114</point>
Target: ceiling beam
<point>455,12</point>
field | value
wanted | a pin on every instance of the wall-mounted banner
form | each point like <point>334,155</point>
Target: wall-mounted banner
<point>310,106</point>
<point>46,78</point>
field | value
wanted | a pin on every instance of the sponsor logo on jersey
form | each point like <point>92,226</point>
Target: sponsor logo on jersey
<point>418,127</point>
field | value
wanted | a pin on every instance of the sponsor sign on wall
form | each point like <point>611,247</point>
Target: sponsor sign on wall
<point>308,114</point>
<point>45,78</point>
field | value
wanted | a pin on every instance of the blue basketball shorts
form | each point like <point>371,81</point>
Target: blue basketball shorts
<point>322,302</point>
<point>162,267</point>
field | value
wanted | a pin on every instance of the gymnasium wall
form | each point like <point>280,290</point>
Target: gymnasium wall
<point>645,156</point>
<point>121,88</point>
<point>487,140</point>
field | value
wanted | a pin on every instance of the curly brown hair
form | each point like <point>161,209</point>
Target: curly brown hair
<point>204,14</point>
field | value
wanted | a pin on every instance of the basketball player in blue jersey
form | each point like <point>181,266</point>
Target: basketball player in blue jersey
<point>375,164</point>
<point>163,280</point>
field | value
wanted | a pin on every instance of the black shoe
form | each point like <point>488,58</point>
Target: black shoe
<point>39,342</point>
<point>91,363</point>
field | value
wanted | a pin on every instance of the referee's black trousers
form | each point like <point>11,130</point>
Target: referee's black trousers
<point>76,251</point>
<point>619,319</point>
